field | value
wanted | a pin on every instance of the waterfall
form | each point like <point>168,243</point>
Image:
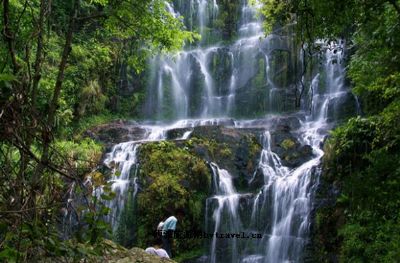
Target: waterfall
<point>291,207</point>
<point>213,81</point>
<point>225,214</point>
<point>204,80</point>
<point>121,160</point>
<point>281,211</point>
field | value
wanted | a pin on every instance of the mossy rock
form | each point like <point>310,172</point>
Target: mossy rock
<point>288,144</point>
<point>236,150</point>
<point>116,132</point>
<point>113,253</point>
<point>289,149</point>
<point>137,255</point>
<point>171,178</point>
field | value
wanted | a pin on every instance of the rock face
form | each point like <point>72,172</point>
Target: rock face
<point>114,253</point>
<point>116,132</point>
<point>236,150</point>
<point>289,149</point>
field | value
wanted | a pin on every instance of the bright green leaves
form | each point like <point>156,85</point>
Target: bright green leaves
<point>362,157</point>
<point>100,2</point>
<point>374,68</point>
<point>84,154</point>
<point>275,12</point>
<point>6,79</point>
<point>147,24</point>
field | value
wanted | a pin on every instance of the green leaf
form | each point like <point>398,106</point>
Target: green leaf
<point>108,197</point>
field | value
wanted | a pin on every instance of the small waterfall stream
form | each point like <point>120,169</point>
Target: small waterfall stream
<point>225,215</point>
<point>123,161</point>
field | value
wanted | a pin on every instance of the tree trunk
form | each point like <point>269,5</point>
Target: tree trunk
<point>49,129</point>
<point>39,51</point>
<point>8,36</point>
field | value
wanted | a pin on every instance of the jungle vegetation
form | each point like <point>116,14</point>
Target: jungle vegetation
<point>362,155</point>
<point>59,62</point>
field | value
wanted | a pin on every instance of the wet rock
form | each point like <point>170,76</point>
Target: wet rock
<point>116,132</point>
<point>245,205</point>
<point>197,82</point>
<point>257,181</point>
<point>274,42</point>
<point>342,107</point>
<point>201,259</point>
<point>236,150</point>
<point>177,133</point>
<point>287,123</point>
<point>289,149</point>
<point>220,64</point>
<point>283,123</point>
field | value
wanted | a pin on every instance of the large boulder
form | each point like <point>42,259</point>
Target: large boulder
<point>233,149</point>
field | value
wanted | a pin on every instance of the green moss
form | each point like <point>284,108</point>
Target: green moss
<point>254,146</point>
<point>259,81</point>
<point>288,144</point>
<point>225,151</point>
<point>212,147</point>
<point>172,178</point>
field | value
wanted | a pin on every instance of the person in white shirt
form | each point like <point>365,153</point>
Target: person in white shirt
<point>157,250</point>
<point>168,231</point>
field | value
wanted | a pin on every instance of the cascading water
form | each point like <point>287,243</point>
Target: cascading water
<point>281,211</point>
<point>214,80</point>
<point>121,159</point>
<point>225,215</point>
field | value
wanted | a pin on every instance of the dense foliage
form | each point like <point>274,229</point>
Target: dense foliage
<point>362,155</point>
<point>174,179</point>
<point>364,160</point>
<point>63,66</point>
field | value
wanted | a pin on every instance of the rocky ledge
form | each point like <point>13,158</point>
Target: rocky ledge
<point>116,132</point>
<point>114,253</point>
<point>136,255</point>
